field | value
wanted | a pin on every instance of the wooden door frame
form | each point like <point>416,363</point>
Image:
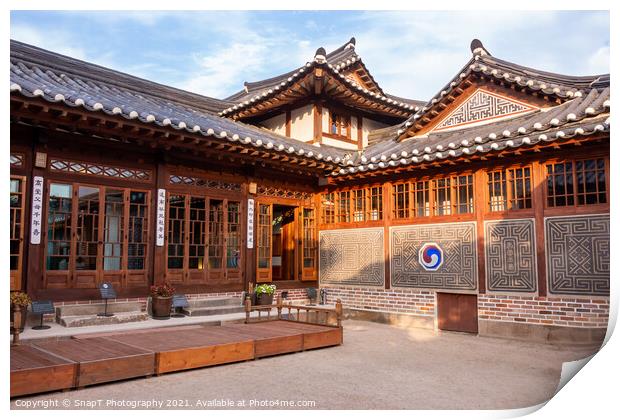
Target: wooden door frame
<point>16,275</point>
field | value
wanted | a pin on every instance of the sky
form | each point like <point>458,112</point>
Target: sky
<point>412,54</point>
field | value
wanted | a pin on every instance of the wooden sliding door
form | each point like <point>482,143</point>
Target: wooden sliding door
<point>204,240</point>
<point>308,249</point>
<point>16,230</point>
<point>263,242</point>
<point>96,234</point>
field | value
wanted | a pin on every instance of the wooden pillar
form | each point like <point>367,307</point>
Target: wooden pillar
<point>318,122</point>
<point>35,265</point>
<point>538,202</point>
<point>158,253</point>
<point>480,206</point>
<point>387,221</point>
<point>288,123</point>
<point>249,273</point>
<point>360,133</point>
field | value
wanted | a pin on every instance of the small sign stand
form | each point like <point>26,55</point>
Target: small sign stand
<point>107,292</point>
<point>179,301</point>
<point>42,307</point>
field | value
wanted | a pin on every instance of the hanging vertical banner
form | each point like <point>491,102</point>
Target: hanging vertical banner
<point>250,240</point>
<point>37,210</point>
<point>161,217</point>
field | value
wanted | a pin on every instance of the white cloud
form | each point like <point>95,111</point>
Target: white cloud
<point>55,41</point>
<point>598,62</point>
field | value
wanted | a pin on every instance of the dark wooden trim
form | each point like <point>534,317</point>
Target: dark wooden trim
<point>288,123</point>
<point>318,122</point>
<point>480,178</point>
<point>538,198</point>
<point>360,133</point>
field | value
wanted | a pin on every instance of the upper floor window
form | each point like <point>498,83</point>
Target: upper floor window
<point>439,197</point>
<point>576,183</point>
<point>510,189</point>
<point>358,205</point>
<point>339,124</point>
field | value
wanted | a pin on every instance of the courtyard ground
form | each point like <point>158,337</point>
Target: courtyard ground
<point>377,367</point>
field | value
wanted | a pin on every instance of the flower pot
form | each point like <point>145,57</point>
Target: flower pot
<point>161,306</point>
<point>24,312</point>
<point>264,299</point>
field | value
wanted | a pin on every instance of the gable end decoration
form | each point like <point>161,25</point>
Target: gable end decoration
<point>483,106</point>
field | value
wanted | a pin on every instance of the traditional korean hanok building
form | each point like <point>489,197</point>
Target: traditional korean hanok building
<point>484,209</point>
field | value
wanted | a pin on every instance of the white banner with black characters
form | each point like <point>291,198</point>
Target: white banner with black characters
<point>160,230</point>
<point>37,210</point>
<point>250,240</point>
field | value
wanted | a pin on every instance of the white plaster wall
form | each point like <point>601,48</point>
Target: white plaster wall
<point>302,123</point>
<point>353,127</point>
<point>369,125</point>
<point>338,143</point>
<point>325,119</point>
<point>276,124</point>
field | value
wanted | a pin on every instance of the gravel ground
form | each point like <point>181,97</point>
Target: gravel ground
<point>377,367</point>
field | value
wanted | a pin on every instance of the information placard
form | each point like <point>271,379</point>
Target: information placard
<point>179,301</point>
<point>161,217</point>
<point>41,307</point>
<point>250,238</point>
<point>37,210</point>
<point>107,291</point>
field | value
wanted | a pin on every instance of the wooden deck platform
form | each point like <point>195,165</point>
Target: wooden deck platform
<point>98,358</point>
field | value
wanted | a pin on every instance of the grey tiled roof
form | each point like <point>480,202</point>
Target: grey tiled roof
<point>580,116</point>
<point>56,78</point>
<point>338,60</point>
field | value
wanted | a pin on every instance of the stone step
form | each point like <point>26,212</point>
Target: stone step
<point>213,310</point>
<point>89,320</point>
<point>214,302</point>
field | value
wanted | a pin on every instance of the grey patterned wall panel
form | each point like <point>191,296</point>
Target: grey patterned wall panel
<point>352,256</point>
<point>578,254</point>
<point>510,252</point>
<point>458,243</point>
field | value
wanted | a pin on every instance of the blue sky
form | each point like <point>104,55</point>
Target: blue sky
<point>410,53</point>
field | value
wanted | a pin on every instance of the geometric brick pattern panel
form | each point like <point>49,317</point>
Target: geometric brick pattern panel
<point>458,243</point>
<point>510,252</point>
<point>352,256</point>
<point>578,255</point>
<point>481,106</point>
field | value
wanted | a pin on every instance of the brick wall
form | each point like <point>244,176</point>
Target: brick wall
<point>557,311</point>
<point>403,301</point>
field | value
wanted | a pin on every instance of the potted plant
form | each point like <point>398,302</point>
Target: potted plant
<point>161,300</point>
<point>19,303</point>
<point>264,293</point>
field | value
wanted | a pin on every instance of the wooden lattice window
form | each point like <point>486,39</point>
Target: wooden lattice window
<point>197,232</point>
<point>85,168</point>
<point>339,125</point>
<point>580,182</point>
<point>359,205</point>
<point>16,225</point>
<point>17,160</point>
<point>196,181</point>
<point>59,227</point>
<point>344,207</point>
<point>375,208</point>
<point>401,200</point>
<point>510,189</point>
<point>328,205</point>
<point>309,238</point>
<point>138,229</point>
<point>176,231</point>
<point>216,233</point>
<point>421,199</point>
<point>233,239</point>
<point>264,236</point>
